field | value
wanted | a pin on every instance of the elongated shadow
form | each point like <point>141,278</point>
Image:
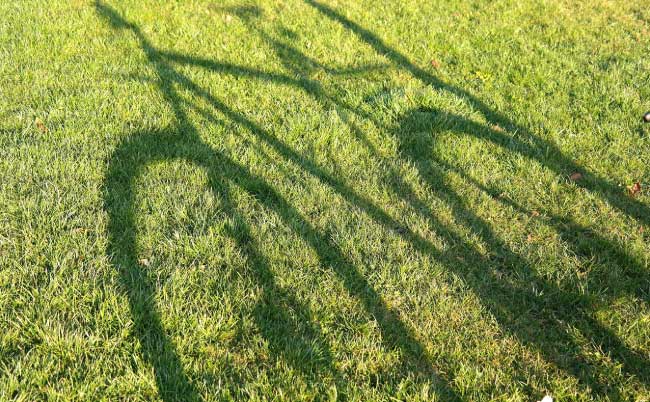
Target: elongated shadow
<point>501,297</point>
<point>183,142</point>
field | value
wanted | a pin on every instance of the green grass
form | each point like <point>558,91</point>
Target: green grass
<point>288,200</point>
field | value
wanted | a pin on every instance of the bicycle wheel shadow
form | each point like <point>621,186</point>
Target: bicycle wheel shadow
<point>505,299</point>
<point>536,310</point>
<point>275,310</point>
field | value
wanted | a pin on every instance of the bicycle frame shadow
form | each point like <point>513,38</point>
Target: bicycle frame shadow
<point>183,142</point>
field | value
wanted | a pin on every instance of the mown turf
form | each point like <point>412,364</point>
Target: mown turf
<point>324,200</point>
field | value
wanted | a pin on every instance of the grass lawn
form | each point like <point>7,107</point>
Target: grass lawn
<point>324,200</point>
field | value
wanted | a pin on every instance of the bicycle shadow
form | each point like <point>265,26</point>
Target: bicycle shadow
<point>506,299</point>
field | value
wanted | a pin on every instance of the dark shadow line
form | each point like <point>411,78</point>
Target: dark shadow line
<point>157,349</point>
